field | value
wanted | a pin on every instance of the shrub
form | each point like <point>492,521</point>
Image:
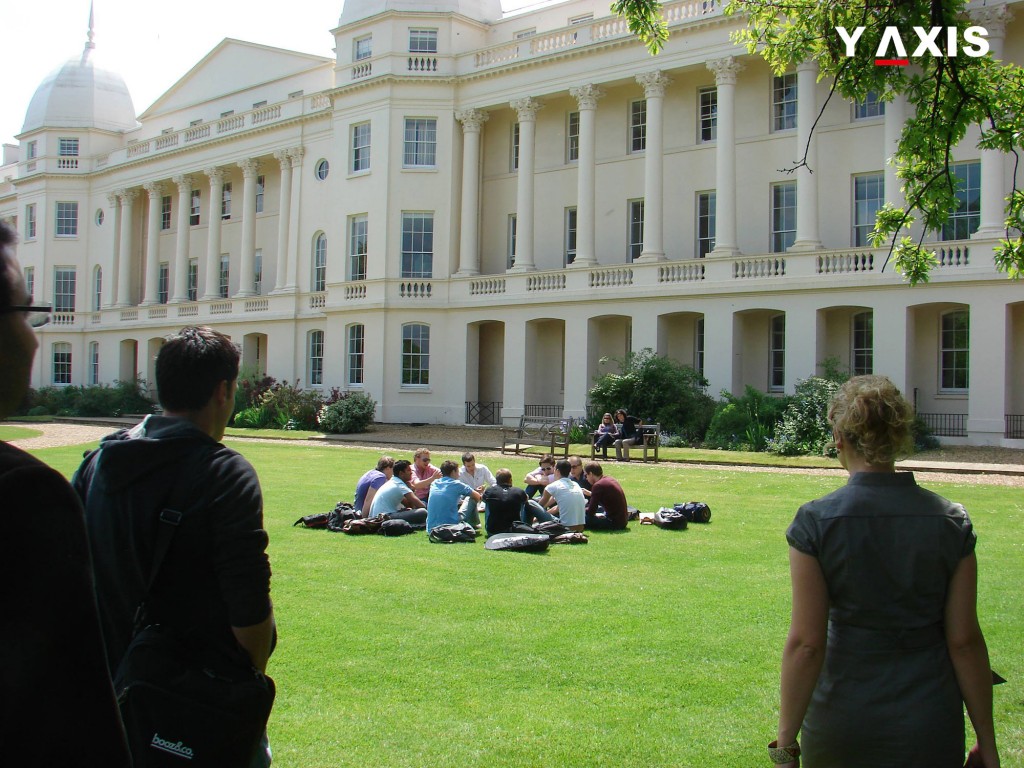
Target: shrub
<point>94,400</point>
<point>658,390</point>
<point>745,422</point>
<point>924,440</point>
<point>252,385</point>
<point>348,413</point>
<point>804,427</point>
<point>286,403</point>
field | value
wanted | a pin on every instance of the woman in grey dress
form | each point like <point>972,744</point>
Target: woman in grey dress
<point>884,646</point>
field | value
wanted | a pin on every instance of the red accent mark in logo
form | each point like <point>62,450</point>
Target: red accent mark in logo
<point>892,62</point>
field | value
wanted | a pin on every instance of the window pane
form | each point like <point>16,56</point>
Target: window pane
<point>420,142</point>
<point>638,126</point>
<point>415,355</point>
<point>356,348</point>
<point>965,220</point>
<point>417,245</point>
<point>868,198</point>
<point>784,104</point>
<point>708,114</point>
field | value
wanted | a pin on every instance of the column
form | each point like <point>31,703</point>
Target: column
<point>151,290</point>
<point>720,356</point>
<point>577,382</point>
<point>993,190</point>
<point>284,210</point>
<point>586,252</point>
<point>654,186</point>
<point>180,268</point>
<point>211,290</point>
<point>124,265</point>
<point>109,286</point>
<point>293,260</point>
<point>807,233</point>
<point>527,110</point>
<point>891,351</point>
<point>986,406</point>
<point>247,266</point>
<point>725,71</point>
<point>895,117</point>
<point>469,235</point>
<point>513,390</point>
<point>804,328</point>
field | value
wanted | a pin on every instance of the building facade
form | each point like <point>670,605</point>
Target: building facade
<point>469,216</point>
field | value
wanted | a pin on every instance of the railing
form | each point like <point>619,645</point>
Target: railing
<point>232,123</point>
<point>681,273</point>
<point>611,278</point>
<point>844,263</point>
<point>945,424</point>
<point>355,290</point>
<point>320,101</point>
<point>188,310</point>
<point>423,64</point>
<point>543,411</point>
<point>67,163</point>
<point>156,313</point>
<point>546,282</point>
<point>221,308</point>
<point>62,318</point>
<point>266,114</point>
<point>197,132</point>
<point>168,140</point>
<point>139,149</point>
<point>318,301</point>
<point>362,69</point>
<point>953,256</point>
<point>770,267</point>
<point>487,286</point>
<point>483,413</point>
<point>256,305</point>
<point>1014,426</point>
<point>415,290</point>
<point>129,315</point>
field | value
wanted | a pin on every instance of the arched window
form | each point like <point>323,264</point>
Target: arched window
<point>319,282</point>
<point>415,355</point>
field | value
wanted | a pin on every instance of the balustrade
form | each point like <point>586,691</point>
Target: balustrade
<point>546,282</point>
<point>681,273</point>
<point>610,278</point>
<point>415,290</point>
<point>845,263</point>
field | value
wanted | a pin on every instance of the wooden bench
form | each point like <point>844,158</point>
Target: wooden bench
<point>648,443</point>
<point>547,431</point>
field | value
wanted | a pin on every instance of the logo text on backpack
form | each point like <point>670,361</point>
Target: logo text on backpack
<point>178,749</point>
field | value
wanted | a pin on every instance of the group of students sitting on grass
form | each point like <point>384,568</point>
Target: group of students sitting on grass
<point>577,495</point>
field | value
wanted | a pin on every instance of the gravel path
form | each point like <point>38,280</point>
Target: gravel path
<point>396,439</point>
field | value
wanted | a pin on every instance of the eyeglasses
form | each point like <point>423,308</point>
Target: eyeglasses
<point>37,316</point>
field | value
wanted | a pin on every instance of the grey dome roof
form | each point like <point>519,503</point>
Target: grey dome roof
<point>480,10</point>
<point>79,94</point>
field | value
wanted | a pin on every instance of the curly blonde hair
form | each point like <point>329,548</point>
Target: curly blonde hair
<point>874,418</point>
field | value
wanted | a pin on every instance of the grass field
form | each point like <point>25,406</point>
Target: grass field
<point>644,648</point>
<point>17,433</point>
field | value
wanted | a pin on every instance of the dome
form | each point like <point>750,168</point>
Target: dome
<point>480,10</point>
<point>79,94</point>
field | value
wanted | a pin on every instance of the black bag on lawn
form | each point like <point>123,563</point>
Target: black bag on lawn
<point>518,526</point>
<point>453,533</point>
<point>695,511</point>
<point>395,528</point>
<point>666,517</point>
<point>522,542</point>
<point>319,520</point>
<point>551,528</point>
<point>337,518</point>
<point>634,513</point>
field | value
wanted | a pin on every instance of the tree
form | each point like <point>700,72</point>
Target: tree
<point>945,95</point>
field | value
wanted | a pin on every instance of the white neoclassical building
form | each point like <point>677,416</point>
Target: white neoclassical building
<point>467,216</point>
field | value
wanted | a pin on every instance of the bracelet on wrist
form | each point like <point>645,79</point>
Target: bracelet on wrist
<point>779,755</point>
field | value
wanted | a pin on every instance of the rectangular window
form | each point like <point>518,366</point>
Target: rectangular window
<point>163,283</point>
<point>783,232</point>
<point>30,284</point>
<point>707,99</point>
<point>955,351</point>
<point>62,363</point>
<point>261,188</point>
<point>417,245</point>
<point>784,102</point>
<point>570,235</point>
<point>94,362</point>
<point>513,163</point>
<point>415,355</point>
<point>356,350</point>
<point>67,147</point>
<point>165,212</point>
<point>319,281</point>
<point>224,275</point>
<point>868,197</point>
<point>638,126</point>
<point>30,221</point>
<point>705,223</point>
<point>863,343</point>
<point>315,367</point>
<point>67,219</point>
<point>777,354</point>
<point>572,138</point>
<point>257,267</point>
<point>64,289</point>
<point>525,33</point>
<point>870,107</point>
<point>585,18</point>
<point>97,289</point>
<point>965,220</point>
<point>362,48</point>
<point>420,142</point>
<point>360,147</point>
<point>357,246</point>
<point>510,259</point>
<point>698,346</point>
<point>255,105</point>
<point>193,279</point>
<point>194,208</point>
<point>422,41</point>
<point>32,150</point>
<point>636,229</point>
<point>225,201</point>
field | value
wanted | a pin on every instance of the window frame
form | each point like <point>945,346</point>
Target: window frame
<point>97,288</point>
<point>962,224</point>
<point>68,146</point>
<point>65,218</point>
<point>358,246</point>
<point>322,169</point>
<point>94,363</point>
<point>707,114</point>
<point>698,345</point>
<point>634,229</point>
<point>163,282</point>
<point>513,160</point>
<point>867,206</point>
<point>224,276</point>
<point>192,280</point>
<point>315,358</point>
<point>195,207</point>
<point>415,363</point>
<point>165,212</point>
<point>225,201</point>
<point>30,283</point>
<point>572,137</point>
<point>862,343</point>
<point>361,152</point>
<point>781,239</point>
<point>65,289</point>
<point>61,363</point>
<point>869,108</point>
<point>261,189</point>
<point>707,218</point>
<point>784,102</point>
<point>318,278</point>
<point>422,258</point>
<point>355,355</point>
<point>422,40</point>
<point>257,271</point>
<point>571,235</point>
<point>358,52</point>
<point>777,353</point>
<point>954,359</point>
<point>420,151</point>
<point>511,230</point>
<point>31,222</point>
<point>637,126</point>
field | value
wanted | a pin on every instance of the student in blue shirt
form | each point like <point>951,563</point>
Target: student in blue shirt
<point>445,495</point>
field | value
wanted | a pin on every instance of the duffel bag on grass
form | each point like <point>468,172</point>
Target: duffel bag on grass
<point>666,517</point>
<point>695,511</point>
<point>522,542</point>
<point>453,533</point>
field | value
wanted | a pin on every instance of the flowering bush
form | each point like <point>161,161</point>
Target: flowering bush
<point>350,412</point>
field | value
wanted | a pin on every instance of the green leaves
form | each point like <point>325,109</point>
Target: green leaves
<point>645,21</point>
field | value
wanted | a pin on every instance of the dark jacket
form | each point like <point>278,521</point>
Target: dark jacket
<point>216,573</point>
<point>57,705</point>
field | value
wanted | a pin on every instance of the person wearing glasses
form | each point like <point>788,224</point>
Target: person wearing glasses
<point>423,474</point>
<point>52,665</point>
<point>578,475</point>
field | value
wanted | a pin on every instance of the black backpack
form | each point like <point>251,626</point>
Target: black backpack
<point>695,511</point>
<point>395,528</point>
<point>453,533</point>
<point>666,517</point>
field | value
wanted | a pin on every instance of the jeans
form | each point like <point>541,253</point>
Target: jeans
<point>469,513</point>
<point>263,757</point>
<point>533,510</point>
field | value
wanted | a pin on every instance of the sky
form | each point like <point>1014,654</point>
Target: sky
<point>152,44</point>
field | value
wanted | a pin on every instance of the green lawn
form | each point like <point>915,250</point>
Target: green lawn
<point>644,648</point>
<point>17,433</point>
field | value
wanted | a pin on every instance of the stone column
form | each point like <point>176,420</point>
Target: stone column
<point>151,291</point>
<point>986,406</point>
<point>574,405</point>
<point>293,228</point>
<point>892,351</point>
<point>993,189</point>
<point>807,233</point>
<point>586,252</point>
<point>180,270</point>
<point>721,362</point>
<point>654,185</point>
<point>469,235</point>
<point>109,286</point>
<point>247,266</point>
<point>513,396</point>
<point>211,290</point>
<point>283,214</point>
<point>725,70</point>
<point>895,117</point>
<point>124,266</point>
<point>527,110</point>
